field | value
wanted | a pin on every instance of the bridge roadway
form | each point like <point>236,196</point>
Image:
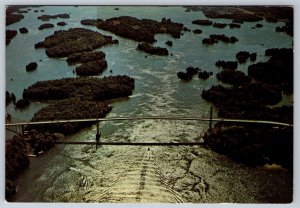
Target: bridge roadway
<point>151,118</point>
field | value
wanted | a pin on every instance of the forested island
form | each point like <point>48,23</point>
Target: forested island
<point>252,144</point>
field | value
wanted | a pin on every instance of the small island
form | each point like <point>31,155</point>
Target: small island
<point>48,17</point>
<point>146,47</point>
<point>75,40</point>
<point>141,30</point>
<point>45,26</point>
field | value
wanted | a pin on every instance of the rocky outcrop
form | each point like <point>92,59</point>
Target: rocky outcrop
<point>146,47</point>
<point>31,66</point>
<point>10,34</point>
<point>142,30</point>
<point>48,17</point>
<point>45,26</point>
<point>75,40</point>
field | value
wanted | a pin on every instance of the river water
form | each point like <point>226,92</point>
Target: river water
<point>80,173</point>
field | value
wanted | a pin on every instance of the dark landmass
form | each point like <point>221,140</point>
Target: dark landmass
<point>197,31</point>
<point>254,94</point>
<point>75,40</point>
<point>234,25</point>
<point>224,38</point>
<point>41,141</point>
<point>169,43</point>
<point>233,77</point>
<point>148,48</point>
<point>31,66</point>
<point>215,38</point>
<point>287,28</point>
<point>258,25</point>
<point>278,70</point>
<point>186,29</point>
<point>91,68</point>
<point>230,65</point>
<point>254,145</point>
<point>48,17</point>
<point>219,25</point>
<point>142,30</point>
<point>10,97</point>
<point>16,160</point>
<point>76,98</point>
<point>70,109</point>
<point>61,23</point>
<point>243,56</point>
<point>22,103</point>
<point>85,57</point>
<point>13,18</point>
<point>86,88</point>
<point>10,34</point>
<point>190,72</point>
<point>45,26</point>
<point>202,22</point>
<point>204,74</point>
<point>23,30</point>
<point>250,13</point>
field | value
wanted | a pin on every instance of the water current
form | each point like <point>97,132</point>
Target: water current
<point>174,174</point>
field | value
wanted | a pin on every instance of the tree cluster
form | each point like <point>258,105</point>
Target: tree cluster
<point>254,145</point>
<point>16,160</point>
<point>45,26</point>
<point>91,68</point>
<point>243,56</point>
<point>86,88</point>
<point>10,34</point>
<point>190,72</point>
<point>146,47</point>
<point>66,110</point>
<point>48,17</point>
<point>75,40</point>
<point>278,70</point>
<point>142,30</point>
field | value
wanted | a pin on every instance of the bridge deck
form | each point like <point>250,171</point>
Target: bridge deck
<point>133,143</point>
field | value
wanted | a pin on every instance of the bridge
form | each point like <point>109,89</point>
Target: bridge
<point>19,128</point>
